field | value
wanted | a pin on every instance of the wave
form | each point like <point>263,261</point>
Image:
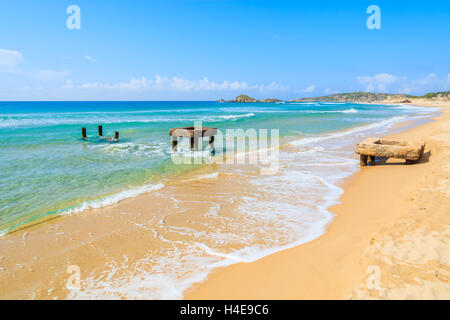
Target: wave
<point>9,122</point>
<point>47,122</point>
<point>350,111</point>
<point>96,204</point>
<point>384,123</point>
<point>328,111</point>
<point>113,199</point>
<point>418,109</point>
<point>230,117</point>
<point>160,149</point>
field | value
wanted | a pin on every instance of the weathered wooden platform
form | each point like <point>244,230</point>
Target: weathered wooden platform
<point>376,147</point>
<point>194,134</point>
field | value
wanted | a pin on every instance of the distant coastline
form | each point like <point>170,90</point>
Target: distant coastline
<point>365,97</point>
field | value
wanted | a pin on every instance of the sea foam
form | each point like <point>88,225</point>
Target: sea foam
<point>112,199</point>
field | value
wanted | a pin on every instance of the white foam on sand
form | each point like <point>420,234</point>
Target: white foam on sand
<point>266,223</point>
<point>213,175</point>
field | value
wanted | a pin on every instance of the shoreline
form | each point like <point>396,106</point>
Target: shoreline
<point>99,235</point>
<point>369,251</point>
<point>111,199</point>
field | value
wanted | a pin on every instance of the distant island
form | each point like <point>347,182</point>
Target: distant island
<point>246,99</point>
<point>365,97</point>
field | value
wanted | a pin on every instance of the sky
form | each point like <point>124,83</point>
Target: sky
<point>211,49</point>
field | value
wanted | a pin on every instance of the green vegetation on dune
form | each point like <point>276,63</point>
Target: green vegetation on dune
<point>365,97</point>
<point>374,97</point>
<point>441,94</point>
<point>355,97</point>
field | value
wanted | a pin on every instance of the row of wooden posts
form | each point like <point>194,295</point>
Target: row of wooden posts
<point>100,133</point>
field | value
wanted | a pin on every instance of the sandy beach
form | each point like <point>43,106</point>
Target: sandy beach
<point>389,239</point>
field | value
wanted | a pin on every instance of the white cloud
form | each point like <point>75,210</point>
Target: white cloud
<point>379,82</point>
<point>89,58</point>
<point>427,80</point>
<point>310,89</point>
<point>49,75</point>
<point>67,85</point>
<point>330,91</point>
<point>159,83</point>
<point>10,58</point>
<point>396,84</point>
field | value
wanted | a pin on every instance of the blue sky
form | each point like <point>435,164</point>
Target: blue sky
<point>206,49</point>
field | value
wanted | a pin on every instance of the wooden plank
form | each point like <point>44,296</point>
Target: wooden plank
<point>191,132</point>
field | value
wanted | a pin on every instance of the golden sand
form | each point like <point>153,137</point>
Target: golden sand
<point>390,238</point>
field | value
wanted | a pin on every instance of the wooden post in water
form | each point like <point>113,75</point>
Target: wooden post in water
<point>83,133</point>
<point>194,134</point>
<point>174,143</point>
<point>100,131</point>
<point>211,143</point>
<point>116,135</point>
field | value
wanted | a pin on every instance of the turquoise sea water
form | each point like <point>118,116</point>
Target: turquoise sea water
<point>46,169</point>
